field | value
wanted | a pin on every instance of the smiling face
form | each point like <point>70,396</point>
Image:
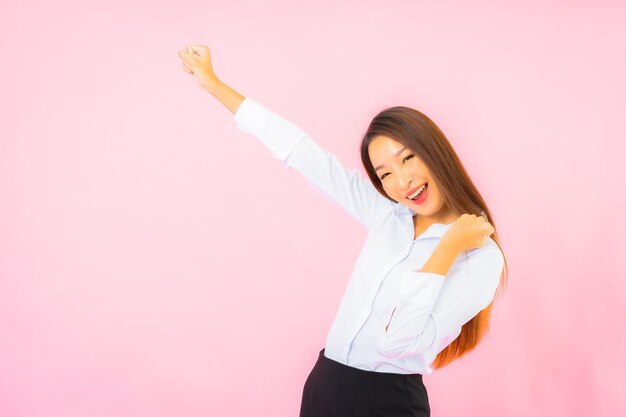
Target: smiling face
<point>402,174</point>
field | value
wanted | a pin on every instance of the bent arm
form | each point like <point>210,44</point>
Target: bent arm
<point>442,258</point>
<point>428,312</point>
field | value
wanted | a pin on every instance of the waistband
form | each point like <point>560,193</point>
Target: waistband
<point>342,368</point>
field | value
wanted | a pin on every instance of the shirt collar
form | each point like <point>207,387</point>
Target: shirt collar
<point>435,230</point>
<point>405,214</point>
<point>402,210</point>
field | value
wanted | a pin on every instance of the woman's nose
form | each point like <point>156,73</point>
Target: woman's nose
<point>403,179</point>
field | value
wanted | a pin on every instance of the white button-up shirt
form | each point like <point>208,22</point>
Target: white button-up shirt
<point>392,318</point>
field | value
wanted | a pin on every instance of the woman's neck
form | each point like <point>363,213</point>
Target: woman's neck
<point>422,223</point>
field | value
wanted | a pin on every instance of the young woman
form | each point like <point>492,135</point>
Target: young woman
<point>421,292</point>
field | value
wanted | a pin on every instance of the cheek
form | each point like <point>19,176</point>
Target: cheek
<point>437,194</point>
<point>390,192</point>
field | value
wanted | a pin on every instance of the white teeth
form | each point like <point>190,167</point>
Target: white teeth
<point>417,192</point>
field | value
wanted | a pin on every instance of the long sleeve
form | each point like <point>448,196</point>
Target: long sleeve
<point>323,172</point>
<point>433,307</point>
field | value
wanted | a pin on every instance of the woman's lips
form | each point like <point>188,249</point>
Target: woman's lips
<point>422,197</point>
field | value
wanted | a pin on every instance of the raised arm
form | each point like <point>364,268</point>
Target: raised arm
<point>290,144</point>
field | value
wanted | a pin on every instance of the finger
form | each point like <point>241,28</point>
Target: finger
<point>185,56</point>
<point>187,68</point>
<point>488,230</point>
<point>196,49</point>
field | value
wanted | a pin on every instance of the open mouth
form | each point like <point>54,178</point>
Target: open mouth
<point>421,196</point>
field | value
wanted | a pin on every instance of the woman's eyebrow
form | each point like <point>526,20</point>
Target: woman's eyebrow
<point>397,153</point>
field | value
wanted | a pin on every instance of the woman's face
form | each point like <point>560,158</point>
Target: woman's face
<point>402,174</point>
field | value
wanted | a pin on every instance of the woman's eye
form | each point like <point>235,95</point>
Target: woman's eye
<point>404,160</point>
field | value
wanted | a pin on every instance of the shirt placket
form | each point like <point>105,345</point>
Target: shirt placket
<point>367,311</point>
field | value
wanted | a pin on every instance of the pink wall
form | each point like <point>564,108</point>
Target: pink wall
<point>156,261</point>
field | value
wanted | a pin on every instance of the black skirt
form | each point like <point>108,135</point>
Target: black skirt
<point>337,390</point>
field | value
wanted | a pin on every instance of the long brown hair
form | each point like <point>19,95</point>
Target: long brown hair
<point>421,135</point>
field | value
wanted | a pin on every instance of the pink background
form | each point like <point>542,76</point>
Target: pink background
<point>157,261</point>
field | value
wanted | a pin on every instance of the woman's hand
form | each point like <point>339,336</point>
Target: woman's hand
<point>197,61</point>
<point>468,232</point>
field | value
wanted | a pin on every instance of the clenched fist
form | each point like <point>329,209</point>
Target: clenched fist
<point>197,61</point>
<point>468,232</point>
